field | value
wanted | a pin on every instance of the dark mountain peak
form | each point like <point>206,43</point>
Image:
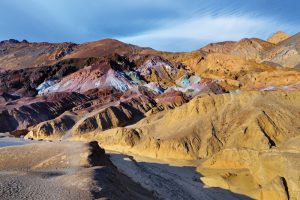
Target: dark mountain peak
<point>13,41</point>
<point>10,41</point>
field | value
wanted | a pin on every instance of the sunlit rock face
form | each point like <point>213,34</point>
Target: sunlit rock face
<point>45,85</point>
<point>278,37</point>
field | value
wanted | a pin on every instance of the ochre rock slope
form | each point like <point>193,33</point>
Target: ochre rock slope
<point>208,124</point>
<point>248,48</point>
<point>248,141</point>
<point>278,37</point>
<point>272,173</point>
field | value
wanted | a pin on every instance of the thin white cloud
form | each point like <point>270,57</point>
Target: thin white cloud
<point>208,29</point>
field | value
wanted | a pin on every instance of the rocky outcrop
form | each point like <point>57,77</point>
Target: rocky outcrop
<point>77,123</point>
<point>278,37</point>
<point>53,129</point>
<point>109,118</point>
<point>27,112</point>
<point>259,174</point>
<point>286,53</point>
<point>125,113</point>
<point>157,69</point>
<point>171,99</point>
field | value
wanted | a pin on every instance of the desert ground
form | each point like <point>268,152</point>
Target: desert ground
<point>69,170</point>
<point>61,170</point>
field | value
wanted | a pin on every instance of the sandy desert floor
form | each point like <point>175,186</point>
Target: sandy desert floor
<point>61,170</point>
<point>39,171</point>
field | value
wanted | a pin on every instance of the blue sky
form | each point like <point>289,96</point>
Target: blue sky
<point>171,25</point>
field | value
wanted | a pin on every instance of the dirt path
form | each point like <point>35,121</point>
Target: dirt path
<point>169,182</point>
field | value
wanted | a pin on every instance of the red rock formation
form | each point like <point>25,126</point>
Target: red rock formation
<point>25,112</point>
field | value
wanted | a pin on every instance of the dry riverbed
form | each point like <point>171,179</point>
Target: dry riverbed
<point>169,180</point>
<point>74,170</point>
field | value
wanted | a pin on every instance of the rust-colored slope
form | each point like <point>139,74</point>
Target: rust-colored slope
<point>102,48</point>
<point>19,55</point>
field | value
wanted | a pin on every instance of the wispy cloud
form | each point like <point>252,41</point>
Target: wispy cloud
<point>196,31</point>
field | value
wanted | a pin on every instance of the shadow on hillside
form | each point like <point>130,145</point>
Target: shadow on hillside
<point>162,180</point>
